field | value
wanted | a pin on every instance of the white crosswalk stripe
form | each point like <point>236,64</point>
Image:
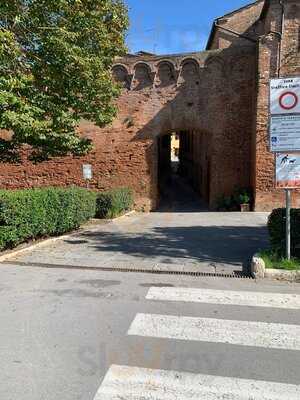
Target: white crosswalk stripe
<point>253,299</point>
<point>244,333</point>
<point>131,383</point>
<point>134,383</point>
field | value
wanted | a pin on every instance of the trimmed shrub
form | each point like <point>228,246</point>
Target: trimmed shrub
<point>113,203</point>
<point>276,226</point>
<point>34,213</point>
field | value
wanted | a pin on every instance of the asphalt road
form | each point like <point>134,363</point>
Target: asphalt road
<point>63,330</point>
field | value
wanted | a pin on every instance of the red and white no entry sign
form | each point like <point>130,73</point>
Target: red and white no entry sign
<point>285,96</point>
<point>288,100</point>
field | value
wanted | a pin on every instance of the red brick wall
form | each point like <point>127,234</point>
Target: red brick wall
<point>267,197</point>
<point>117,160</point>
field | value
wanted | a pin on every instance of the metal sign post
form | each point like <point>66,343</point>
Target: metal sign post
<point>288,223</point>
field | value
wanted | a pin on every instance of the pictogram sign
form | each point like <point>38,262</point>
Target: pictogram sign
<point>288,170</point>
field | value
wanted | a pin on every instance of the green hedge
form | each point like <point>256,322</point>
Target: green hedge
<point>33,213</point>
<point>276,226</point>
<point>113,203</point>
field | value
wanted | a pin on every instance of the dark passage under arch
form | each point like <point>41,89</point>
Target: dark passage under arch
<point>183,173</point>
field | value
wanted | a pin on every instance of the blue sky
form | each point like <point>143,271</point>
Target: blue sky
<point>174,26</point>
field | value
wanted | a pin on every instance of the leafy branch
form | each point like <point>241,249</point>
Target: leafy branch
<point>55,60</point>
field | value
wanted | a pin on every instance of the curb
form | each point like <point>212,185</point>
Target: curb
<point>155,270</point>
<point>259,271</point>
<point>121,216</point>
<point>282,274</point>
<point>44,242</point>
<point>29,247</point>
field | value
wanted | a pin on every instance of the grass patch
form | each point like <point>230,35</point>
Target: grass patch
<point>274,261</point>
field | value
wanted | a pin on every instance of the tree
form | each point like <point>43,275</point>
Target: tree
<point>55,70</point>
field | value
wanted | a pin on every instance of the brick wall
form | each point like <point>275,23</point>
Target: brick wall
<point>208,92</point>
<point>272,53</point>
<point>220,95</point>
<point>243,21</point>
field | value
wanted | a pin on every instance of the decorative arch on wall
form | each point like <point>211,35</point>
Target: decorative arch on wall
<point>215,62</point>
<point>214,69</point>
<point>190,70</point>
<point>166,74</point>
<point>121,75</point>
<point>143,76</point>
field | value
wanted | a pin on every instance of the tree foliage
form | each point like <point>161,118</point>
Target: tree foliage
<point>55,63</point>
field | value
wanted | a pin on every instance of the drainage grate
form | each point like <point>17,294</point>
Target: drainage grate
<point>233,275</point>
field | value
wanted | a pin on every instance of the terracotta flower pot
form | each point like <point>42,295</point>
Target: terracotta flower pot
<point>245,207</point>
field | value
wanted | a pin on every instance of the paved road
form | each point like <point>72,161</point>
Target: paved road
<point>90,335</point>
<point>86,334</point>
<point>204,241</point>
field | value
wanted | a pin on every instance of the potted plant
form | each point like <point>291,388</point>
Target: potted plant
<point>242,198</point>
<point>244,202</point>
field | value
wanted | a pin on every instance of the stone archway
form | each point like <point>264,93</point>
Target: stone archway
<point>192,93</point>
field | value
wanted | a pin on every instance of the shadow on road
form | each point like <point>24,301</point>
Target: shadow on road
<point>178,196</point>
<point>217,244</point>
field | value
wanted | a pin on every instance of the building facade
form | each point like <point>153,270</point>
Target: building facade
<point>217,100</point>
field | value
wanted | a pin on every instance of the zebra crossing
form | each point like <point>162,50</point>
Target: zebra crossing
<point>135,383</point>
<point>251,299</point>
<point>243,333</point>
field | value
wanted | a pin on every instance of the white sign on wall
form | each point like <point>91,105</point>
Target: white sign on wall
<point>285,114</point>
<point>87,171</point>
<point>288,170</point>
<point>285,96</point>
<point>285,133</point>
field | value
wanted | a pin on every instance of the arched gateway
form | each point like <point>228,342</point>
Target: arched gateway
<point>216,101</point>
<point>198,97</point>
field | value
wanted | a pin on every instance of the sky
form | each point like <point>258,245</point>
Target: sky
<point>174,26</point>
